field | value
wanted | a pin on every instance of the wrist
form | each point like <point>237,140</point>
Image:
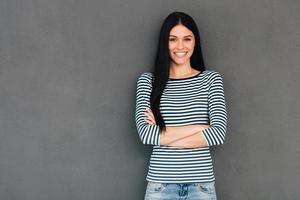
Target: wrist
<point>204,126</point>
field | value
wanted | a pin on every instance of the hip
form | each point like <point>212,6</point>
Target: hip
<point>182,191</point>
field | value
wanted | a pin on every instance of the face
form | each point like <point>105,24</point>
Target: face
<point>181,45</point>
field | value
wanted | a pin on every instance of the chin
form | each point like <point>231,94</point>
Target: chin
<point>179,62</point>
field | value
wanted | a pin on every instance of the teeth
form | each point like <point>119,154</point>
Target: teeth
<point>180,54</point>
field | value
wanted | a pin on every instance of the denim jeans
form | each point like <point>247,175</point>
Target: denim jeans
<point>180,191</point>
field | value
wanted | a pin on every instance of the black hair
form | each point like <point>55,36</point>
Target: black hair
<point>162,60</point>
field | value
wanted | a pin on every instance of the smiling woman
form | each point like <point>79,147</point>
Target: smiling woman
<point>181,48</point>
<point>181,112</point>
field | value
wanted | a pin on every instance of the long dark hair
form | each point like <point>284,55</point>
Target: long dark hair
<point>162,60</point>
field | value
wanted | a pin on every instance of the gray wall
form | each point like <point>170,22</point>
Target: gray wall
<point>68,72</point>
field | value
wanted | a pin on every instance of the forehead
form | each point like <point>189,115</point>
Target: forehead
<point>180,31</point>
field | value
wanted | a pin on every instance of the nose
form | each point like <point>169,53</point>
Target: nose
<point>180,44</point>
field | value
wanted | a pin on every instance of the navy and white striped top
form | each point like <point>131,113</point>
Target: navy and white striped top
<point>198,99</point>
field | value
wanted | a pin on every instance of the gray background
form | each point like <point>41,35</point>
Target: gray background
<point>68,72</point>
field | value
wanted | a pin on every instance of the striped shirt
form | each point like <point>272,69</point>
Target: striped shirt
<point>197,99</point>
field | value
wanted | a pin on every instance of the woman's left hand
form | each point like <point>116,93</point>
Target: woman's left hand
<point>150,117</point>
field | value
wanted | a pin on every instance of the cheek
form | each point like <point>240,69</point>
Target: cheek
<point>191,48</point>
<point>191,45</point>
<point>171,46</point>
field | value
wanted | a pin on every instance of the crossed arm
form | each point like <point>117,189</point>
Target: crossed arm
<point>193,140</point>
<point>189,136</point>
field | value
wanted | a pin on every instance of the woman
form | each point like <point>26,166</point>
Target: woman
<point>181,111</point>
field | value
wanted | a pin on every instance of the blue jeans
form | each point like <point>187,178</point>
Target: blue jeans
<point>180,191</point>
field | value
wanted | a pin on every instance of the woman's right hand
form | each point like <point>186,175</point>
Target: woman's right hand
<point>149,116</point>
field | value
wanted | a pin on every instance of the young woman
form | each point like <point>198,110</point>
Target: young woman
<point>181,112</point>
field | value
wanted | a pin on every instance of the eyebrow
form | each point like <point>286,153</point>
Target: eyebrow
<point>184,36</point>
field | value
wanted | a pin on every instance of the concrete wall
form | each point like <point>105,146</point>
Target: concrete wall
<point>68,72</point>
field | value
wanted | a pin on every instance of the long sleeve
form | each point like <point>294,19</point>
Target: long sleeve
<point>215,134</point>
<point>149,134</point>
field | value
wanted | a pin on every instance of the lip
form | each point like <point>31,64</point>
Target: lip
<point>181,55</point>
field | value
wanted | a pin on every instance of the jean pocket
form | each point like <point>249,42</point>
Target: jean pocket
<point>208,188</point>
<point>156,187</point>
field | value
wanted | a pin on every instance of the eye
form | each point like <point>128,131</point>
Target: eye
<point>187,39</point>
<point>172,39</point>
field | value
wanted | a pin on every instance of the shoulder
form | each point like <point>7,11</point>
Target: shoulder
<point>213,75</point>
<point>146,75</point>
<point>145,78</point>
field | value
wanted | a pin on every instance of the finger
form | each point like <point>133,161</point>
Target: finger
<point>150,118</point>
<point>146,114</point>
<point>151,113</point>
<point>149,122</point>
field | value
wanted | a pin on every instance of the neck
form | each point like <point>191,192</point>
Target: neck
<point>180,70</point>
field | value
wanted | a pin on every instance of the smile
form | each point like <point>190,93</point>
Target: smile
<point>180,54</point>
